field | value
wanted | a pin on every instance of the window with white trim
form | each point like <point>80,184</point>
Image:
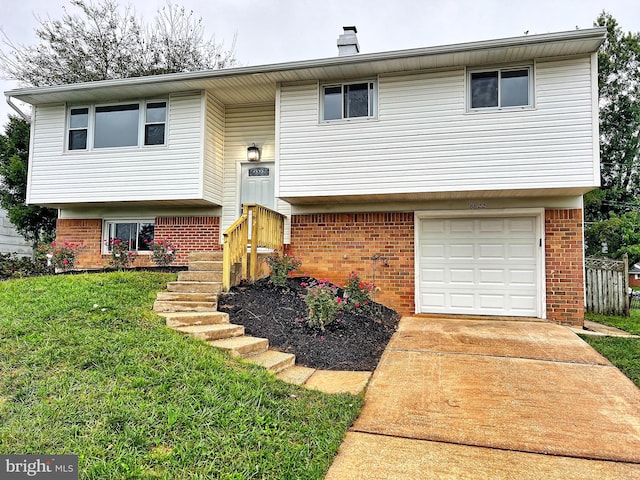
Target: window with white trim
<point>348,100</point>
<point>137,234</point>
<point>119,125</point>
<point>500,88</point>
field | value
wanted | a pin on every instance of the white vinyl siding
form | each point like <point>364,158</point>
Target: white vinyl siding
<point>246,125</point>
<point>424,140</point>
<point>171,172</point>
<point>214,150</point>
<point>10,240</point>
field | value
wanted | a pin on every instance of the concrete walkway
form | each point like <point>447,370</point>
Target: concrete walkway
<point>493,399</point>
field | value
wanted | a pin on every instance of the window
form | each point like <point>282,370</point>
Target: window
<point>113,126</point>
<point>349,100</point>
<point>500,88</point>
<point>78,127</point>
<point>138,234</point>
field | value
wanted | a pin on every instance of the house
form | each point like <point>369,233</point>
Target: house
<point>10,240</point>
<point>455,172</point>
<point>634,276</point>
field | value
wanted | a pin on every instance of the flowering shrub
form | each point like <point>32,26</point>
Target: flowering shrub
<point>323,302</point>
<point>121,254</point>
<point>357,294</point>
<point>62,256</point>
<point>281,266</point>
<point>163,252</point>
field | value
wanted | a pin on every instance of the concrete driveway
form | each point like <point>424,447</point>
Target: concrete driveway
<point>456,398</point>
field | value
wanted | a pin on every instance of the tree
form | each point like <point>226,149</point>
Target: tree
<point>617,235</point>
<point>106,42</point>
<point>619,89</point>
<point>32,222</point>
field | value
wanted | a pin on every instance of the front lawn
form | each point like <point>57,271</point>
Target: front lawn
<point>87,368</point>
<point>629,324</point>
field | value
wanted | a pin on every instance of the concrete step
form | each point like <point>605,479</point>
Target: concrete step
<point>212,332</point>
<point>296,374</point>
<point>187,297</point>
<point>242,346</point>
<point>273,360</point>
<point>194,287</point>
<point>213,256</point>
<point>178,306</point>
<point>200,276</point>
<point>183,319</point>
<point>205,266</point>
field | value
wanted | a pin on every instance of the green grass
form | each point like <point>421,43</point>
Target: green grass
<point>87,368</point>
<point>624,353</point>
<point>628,324</point>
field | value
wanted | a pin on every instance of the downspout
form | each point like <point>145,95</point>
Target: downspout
<point>25,117</point>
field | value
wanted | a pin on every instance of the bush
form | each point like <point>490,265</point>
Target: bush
<point>357,294</point>
<point>12,266</point>
<point>121,254</point>
<point>324,303</point>
<point>281,267</point>
<point>62,256</point>
<point>163,252</point>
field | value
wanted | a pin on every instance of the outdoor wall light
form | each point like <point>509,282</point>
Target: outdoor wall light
<point>253,153</point>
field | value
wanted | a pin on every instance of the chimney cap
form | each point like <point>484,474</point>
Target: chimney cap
<point>350,28</point>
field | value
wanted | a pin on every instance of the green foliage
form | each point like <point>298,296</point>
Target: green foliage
<point>281,266</point>
<point>34,223</point>
<point>103,41</point>
<point>357,294</point>
<point>87,368</point>
<point>62,256</point>
<point>121,254</point>
<point>324,303</point>
<point>624,353</point>
<point>12,266</point>
<point>163,252</point>
<point>621,234</point>
<point>630,324</point>
<point>619,88</point>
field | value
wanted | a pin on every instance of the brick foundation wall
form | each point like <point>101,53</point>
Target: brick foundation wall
<point>188,234</point>
<point>333,245</point>
<point>564,250</point>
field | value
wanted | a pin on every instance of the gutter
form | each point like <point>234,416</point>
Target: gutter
<point>25,117</point>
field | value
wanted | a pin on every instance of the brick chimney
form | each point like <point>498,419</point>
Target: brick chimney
<point>348,42</point>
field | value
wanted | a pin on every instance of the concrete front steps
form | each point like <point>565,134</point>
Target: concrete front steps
<point>190,306</point>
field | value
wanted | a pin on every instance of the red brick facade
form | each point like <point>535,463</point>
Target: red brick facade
<point>188,234</point>
<point>564,266</point>
<point>334,244</point>
<point>633,281</point>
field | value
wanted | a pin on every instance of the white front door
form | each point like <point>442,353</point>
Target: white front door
<point>479,266</point>
<point>257,185</point>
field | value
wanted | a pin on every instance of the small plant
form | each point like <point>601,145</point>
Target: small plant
<point>324,303</point>
<point>121,254</point>
<point>357,294</point>
<point>281,266</point>
<point>163,252</point>
<point>62,256</point>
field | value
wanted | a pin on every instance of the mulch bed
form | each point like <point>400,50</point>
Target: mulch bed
<point>352,342</point>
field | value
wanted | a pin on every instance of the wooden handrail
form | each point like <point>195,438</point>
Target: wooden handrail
<point>267,230</point>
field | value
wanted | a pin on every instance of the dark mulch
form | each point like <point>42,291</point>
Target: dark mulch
<point>352,342</point>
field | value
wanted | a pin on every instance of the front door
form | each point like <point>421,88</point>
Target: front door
<point>257,185</point>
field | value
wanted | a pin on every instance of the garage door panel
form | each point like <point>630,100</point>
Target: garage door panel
<point>479,266</point>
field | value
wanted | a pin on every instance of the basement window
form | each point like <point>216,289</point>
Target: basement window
<point>137,234</point>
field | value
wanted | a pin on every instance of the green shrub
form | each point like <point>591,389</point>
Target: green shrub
<point>357,294</point>
<point>12,266</point>
<point>163,252</point>
<point>62,256</point>
<point>281,266</point>
<point>324,303</point>
<point>121,254</point>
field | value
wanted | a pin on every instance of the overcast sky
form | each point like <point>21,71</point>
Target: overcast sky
<point>272,31</point>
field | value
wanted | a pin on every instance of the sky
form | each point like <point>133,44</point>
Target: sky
<point>274,31</point>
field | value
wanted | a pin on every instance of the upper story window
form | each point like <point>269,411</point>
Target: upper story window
<point>121,125</point>
<point>500,88</point>
<point>348,100</point>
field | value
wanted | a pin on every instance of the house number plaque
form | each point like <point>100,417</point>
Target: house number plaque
<point>259,172</point>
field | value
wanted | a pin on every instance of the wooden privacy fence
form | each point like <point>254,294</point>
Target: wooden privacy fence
<point>607,286</point>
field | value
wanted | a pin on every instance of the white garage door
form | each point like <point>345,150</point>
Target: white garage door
<point>479,266</point>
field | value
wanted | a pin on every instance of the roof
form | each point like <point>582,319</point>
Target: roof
<point>635,269</point>
<point>257,84</point>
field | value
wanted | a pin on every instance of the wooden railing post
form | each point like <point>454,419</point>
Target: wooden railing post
<point>245,240</point>
<point>255,225</point>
